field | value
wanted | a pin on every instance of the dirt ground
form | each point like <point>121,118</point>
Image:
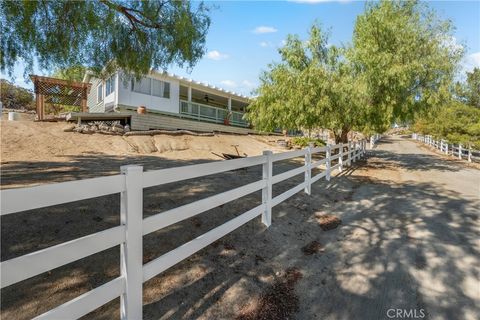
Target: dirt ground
<point>46,152</point>
<point>408,237</point>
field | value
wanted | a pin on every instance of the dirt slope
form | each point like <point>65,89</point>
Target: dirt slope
<point>43,147</point>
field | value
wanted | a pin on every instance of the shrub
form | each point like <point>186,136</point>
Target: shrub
<point>302,142</point>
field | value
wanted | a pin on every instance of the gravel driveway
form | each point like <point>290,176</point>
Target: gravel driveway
<point>410,241</point>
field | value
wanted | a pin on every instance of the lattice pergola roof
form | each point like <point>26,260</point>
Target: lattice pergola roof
<point>59,92</point>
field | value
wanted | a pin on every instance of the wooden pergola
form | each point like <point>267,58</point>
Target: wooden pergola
<point>59,92</point>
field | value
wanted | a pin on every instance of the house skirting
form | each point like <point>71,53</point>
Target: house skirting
<point>150,121</point>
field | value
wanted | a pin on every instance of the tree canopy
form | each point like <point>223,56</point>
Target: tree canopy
<point>456,122</point>
<point>402,61</point>
<point>73,73</point>
<point>458,119</point>
<point>128,34</point>
<point>471,90</point>
<point>313,87</point>
<point>408,57</point>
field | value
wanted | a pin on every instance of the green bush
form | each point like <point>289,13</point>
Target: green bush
<point>302,142</point>
<point>457,123</point>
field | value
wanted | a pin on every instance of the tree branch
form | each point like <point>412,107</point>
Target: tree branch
<point>127,12</point>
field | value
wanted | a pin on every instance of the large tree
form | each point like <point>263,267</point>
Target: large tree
<point>312,87</point>
<point>128,34</point>
<point>408,58</point>
<point>471,92</point>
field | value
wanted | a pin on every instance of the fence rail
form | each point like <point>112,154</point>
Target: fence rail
<point>129,234</point>
<point>374,139</point>
<point>455,150</point>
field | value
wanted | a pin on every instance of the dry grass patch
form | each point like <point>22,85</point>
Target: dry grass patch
<point>328,221</point>
<point>312,248</point>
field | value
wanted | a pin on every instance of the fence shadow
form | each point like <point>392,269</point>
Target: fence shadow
<point>409,245</point>
<point>379,259</point>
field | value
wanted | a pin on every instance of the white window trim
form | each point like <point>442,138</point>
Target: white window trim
<point>112,78</point>
<point>102,96</point>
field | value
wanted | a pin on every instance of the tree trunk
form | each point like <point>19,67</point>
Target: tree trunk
<point>342,137</point>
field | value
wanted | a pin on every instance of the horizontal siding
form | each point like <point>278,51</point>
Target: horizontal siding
<point>92,104</point>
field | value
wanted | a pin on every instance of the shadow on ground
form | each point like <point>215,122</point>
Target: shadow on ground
<point>410,245</point>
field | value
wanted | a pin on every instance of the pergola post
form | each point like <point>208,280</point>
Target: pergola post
<point>83,104</point>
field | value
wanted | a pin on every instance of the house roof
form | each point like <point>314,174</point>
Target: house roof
<point>187,81</point>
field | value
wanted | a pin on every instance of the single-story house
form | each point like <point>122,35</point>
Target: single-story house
<point>168,95</point>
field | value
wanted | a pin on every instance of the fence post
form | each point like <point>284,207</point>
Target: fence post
<point>131,251</point>
<point>469,153</point>
<point>328,164</point>
<point>267,191</point>
<point>340,159</point>
<point>446,149</point>
<point>372,142</point>
<point>349,159</point>
<point>308,169</point>
<point>354,151</point>
<point>459,151</point>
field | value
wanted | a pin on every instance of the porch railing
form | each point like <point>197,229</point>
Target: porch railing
<point>212,114</point>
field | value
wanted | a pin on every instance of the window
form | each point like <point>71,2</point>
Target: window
<point>100,92</point>
<point>142,86</point>
<point>110,85</point>
<point>160,88</point>
<point>166,90</point>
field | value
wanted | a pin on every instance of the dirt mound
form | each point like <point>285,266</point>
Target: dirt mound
<point>48,142</point>
<point>279,301</point>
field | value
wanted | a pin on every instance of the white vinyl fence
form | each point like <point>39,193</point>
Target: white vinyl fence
<point>456,150</point>
<point>374,139</point>
<point>129,234</point>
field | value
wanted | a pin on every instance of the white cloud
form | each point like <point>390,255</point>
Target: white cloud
<point>229,83</point>
<point>264,29</point>
<point>265,44</point>
<point>248,84</point>
<point>216,55</point>
<point>471,61</point>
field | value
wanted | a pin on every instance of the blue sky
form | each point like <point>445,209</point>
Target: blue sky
<point>245,35</point>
